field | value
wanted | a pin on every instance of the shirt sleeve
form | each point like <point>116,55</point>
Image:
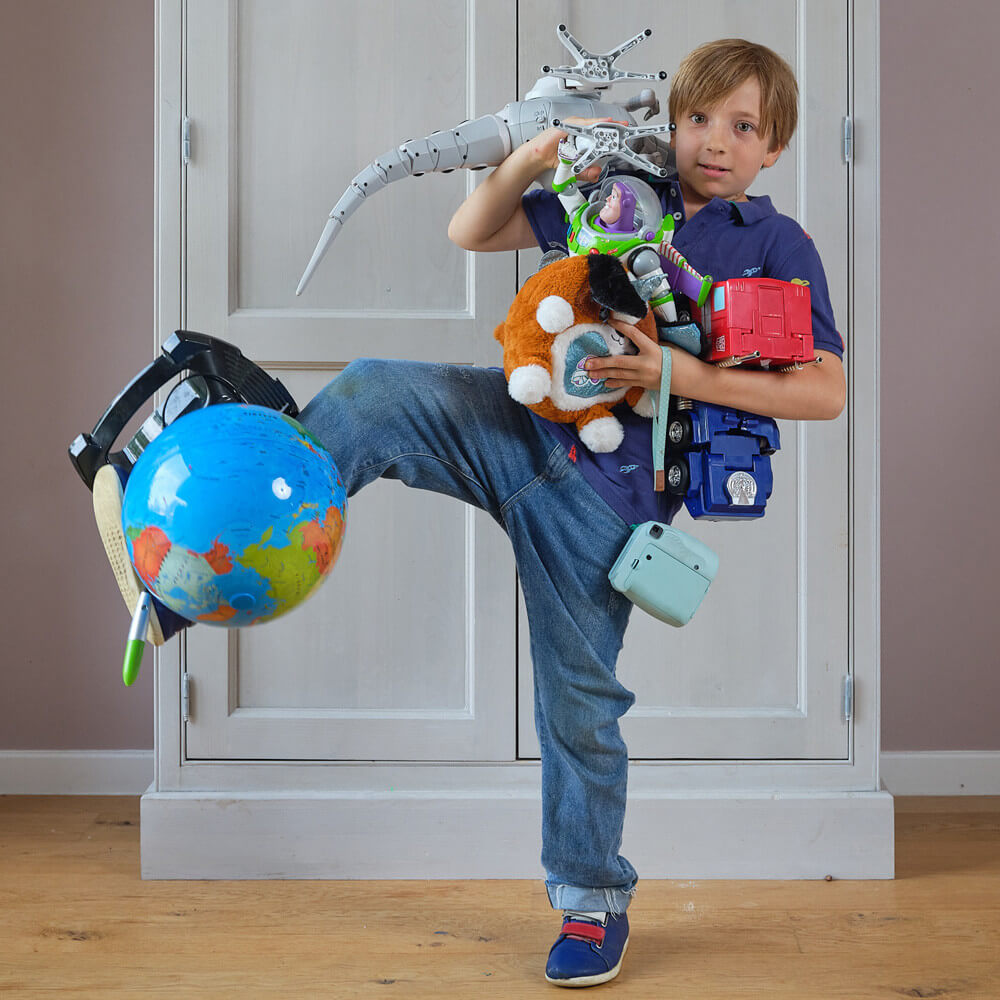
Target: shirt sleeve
<point>546,217</point>
<point>803,266</point>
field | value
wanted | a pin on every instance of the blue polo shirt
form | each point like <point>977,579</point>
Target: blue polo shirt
<point>727,240</point>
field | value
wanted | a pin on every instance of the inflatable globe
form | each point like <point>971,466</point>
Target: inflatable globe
<point>234,515</point>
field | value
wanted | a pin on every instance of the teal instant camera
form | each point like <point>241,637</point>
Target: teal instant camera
<point>664,571</point>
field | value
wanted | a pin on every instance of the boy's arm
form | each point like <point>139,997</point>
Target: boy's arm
<point>492,218</point>
<point>817,392</point>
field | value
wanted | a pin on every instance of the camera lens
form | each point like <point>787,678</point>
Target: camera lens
<point>655,531</point>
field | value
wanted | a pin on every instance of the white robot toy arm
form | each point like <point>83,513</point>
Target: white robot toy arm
<point>565,91</point>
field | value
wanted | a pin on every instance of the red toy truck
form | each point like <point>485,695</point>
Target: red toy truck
<point>757,322</point>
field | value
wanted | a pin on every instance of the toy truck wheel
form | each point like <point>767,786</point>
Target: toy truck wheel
<point>678,477</point>
<point>679,432</point>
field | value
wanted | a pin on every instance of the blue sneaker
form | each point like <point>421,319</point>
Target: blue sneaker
<point>587,951</point>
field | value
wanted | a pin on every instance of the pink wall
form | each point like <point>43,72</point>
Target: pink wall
<point>76,289</point>
<point>76,308</point>
<point>940,399</point>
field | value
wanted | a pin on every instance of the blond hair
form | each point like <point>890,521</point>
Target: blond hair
<point>710,72</point>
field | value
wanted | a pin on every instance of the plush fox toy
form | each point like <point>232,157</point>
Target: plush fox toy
<point>557,321</point>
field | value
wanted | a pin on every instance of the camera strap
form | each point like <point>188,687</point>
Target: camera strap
<point>661,402</point>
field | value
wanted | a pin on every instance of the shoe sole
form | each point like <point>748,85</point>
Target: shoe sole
<point>108,496</point>
<point>602,977</point>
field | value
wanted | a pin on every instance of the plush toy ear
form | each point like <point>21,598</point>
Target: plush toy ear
<point>610,287</point>
<point>551,256</point>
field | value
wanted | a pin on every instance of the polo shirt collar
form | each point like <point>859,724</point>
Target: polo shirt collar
<point>749,212</point>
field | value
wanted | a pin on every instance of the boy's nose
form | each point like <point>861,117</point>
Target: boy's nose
<point>716,137</point>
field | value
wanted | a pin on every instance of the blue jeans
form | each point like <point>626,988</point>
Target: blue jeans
<point>453,429</point>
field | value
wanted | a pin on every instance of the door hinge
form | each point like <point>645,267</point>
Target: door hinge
<point>185,698</point>
<point>185,140</point>
<point>848,697</point>
<point>848,136</point>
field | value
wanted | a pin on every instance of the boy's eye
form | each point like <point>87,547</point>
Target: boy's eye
<point>698,119</point>
<point>744,126</point>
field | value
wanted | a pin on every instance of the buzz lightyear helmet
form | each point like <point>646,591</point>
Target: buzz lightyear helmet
<point>640,215</point>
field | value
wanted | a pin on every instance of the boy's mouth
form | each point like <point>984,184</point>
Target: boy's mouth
<point>712,170</point>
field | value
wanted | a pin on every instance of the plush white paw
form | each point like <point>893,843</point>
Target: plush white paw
<point>603,434</point>
<point>645,407</point>
<point>554,314</point>
<point>529,384</point>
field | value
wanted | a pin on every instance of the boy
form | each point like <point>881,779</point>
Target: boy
<point>455,430</point>
<point>734,107</point>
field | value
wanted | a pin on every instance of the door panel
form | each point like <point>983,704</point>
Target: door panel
<point>408,650</point>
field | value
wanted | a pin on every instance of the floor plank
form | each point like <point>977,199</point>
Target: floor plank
<point>76,920</point>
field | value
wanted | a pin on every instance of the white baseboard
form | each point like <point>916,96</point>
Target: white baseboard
<point>129,772</point>
<point>429,835</point>
<point>952,772</point>
<point>75,772</point>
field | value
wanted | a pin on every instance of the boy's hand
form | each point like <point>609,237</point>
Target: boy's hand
<point>644,369</point>
<point>544,148</point>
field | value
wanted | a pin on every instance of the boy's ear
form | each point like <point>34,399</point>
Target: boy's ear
<point>772,157</point>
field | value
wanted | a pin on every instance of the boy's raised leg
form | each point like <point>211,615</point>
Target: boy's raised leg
<point>451,429</point>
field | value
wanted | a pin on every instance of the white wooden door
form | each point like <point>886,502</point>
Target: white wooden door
<point>758,673</point>
<point>408,651</point>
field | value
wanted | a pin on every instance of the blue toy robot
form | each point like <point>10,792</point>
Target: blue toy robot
<point>718,460</point>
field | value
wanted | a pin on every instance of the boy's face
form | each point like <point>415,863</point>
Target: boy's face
<point>720,149</point>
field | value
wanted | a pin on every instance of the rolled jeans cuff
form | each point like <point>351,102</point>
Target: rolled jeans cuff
<point>610,899</point>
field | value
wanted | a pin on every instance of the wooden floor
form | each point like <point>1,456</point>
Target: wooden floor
<point>77,921</point>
